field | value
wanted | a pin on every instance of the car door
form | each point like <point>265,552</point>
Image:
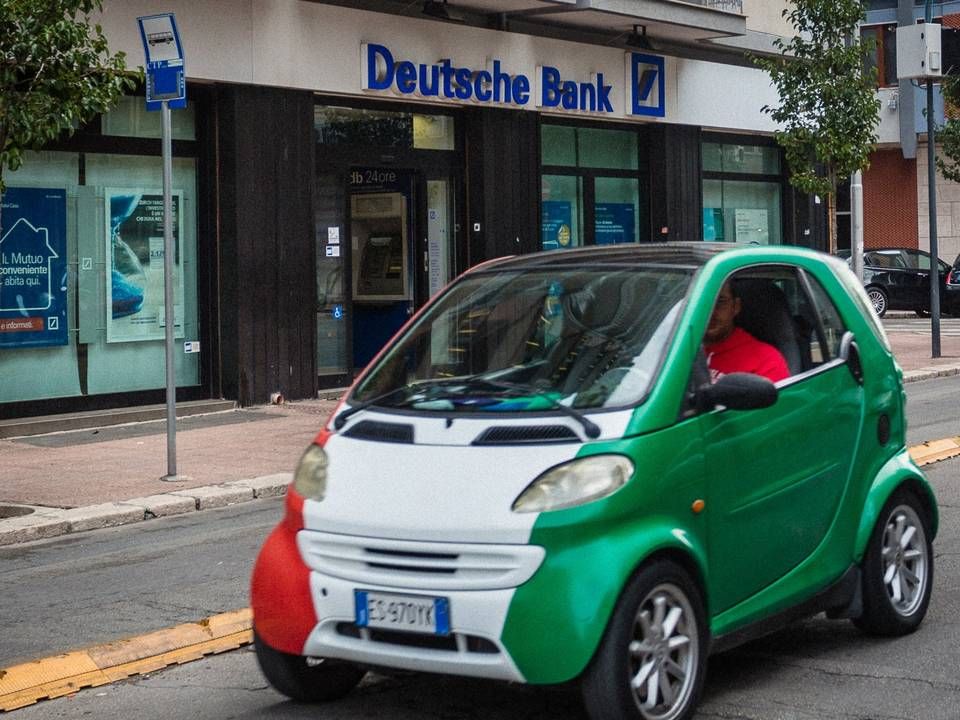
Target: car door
<point>895,278</point>
<point>776,475</point>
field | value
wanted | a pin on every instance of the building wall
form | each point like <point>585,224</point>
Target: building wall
<point>890,200</point>
<point>948,211</point>
<point>766,16</point>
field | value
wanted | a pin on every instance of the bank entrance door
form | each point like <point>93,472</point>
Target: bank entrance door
<point>387,242</point>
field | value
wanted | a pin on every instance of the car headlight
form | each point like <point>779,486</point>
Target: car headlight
<point>310,479</point>
<point>575,483</point>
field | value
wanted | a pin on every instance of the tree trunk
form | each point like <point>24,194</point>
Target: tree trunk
<point>832,223</point>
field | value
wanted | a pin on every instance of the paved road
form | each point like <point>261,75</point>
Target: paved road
<point>933,410</point>
<point>814,670</point>
<point>94,587</point>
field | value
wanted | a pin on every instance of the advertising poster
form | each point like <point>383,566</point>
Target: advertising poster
<point>134,252</point>
<point>555,225</point>
<point>751,226</point>
<point>33,268</point>
<point>615,223</point>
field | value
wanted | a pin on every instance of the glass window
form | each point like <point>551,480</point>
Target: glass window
<point>826,331</point>
<point>588,147</point>
<point>731,158</point>
<point>528,340</point>
<point>616,216</point>
<point>882,57</point>
<point>560,209</point>
<point>131,119</point>
<point>558,145</point>
<point>383,128</point>
<point>114,279</point>
<point>607,148</point>
<point>742,211</point>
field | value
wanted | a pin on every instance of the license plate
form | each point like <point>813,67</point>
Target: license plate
<point>407,613</point>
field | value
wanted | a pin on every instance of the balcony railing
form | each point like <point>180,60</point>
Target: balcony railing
<point>735,6</point>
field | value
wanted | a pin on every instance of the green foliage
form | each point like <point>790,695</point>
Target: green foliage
<point>948,136</point>
<point>828,108</point>
<point>56,73</point>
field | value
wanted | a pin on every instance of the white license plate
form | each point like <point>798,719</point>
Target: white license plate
<point>408,613</point>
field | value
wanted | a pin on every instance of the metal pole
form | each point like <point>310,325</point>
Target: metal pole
<point>169,252</point>
<point>932,195</point>
<point>856,221</point>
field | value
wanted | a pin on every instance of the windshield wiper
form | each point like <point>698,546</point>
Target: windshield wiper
<point>591,429</point>
<point>339,421</point>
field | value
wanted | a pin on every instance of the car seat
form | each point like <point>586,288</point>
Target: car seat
<point>766,315</point>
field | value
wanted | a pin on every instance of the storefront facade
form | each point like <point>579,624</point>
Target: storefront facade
<point>336,167</point>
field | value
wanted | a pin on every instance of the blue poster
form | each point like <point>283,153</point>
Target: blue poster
<point>615,223</point>
<point>555,224</point>
<point>33,268</point>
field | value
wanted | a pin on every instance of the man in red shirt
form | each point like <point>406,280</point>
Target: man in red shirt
<point>732,349</point>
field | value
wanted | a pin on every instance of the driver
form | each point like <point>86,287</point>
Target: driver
<point>732,349</point>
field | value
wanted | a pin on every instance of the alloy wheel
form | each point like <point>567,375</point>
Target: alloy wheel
<point>878,300</point>
<point>663,653</point>
<point>904,559</point>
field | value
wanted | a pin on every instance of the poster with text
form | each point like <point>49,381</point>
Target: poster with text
<point>135,264</point>
<point>33,268</point>
<point>555,224</point>
<point>615,223</point>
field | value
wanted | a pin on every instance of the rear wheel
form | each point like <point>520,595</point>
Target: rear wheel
<point>306,679</point>
<point>878,298</point>
<point>897,568</point>
<point>651,662</point>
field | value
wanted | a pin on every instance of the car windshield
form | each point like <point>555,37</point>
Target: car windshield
<point>534,339</point>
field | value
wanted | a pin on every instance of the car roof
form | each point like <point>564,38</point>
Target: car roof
<point>690,255</point>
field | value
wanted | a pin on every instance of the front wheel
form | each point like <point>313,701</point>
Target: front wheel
<point>652,660</point>
<point>306,679</point>
<point>878,298</point>
<point>897,569</point>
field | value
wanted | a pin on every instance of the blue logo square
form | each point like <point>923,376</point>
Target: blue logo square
<point>647,85</point>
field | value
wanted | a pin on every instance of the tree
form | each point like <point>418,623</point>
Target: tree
<point>948,135</point>
<point>828,108</point>
<point>56,73</point>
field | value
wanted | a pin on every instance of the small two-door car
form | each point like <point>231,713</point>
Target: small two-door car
<point>537,481</point>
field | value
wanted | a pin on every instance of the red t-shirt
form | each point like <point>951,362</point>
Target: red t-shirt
<point>742,352</point>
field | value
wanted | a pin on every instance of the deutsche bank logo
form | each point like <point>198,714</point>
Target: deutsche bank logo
<point>646,80</point>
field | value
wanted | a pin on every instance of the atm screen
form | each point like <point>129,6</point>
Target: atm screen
<point>381,267</point>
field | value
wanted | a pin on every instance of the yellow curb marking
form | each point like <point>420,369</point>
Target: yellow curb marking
<point>53,677</point>
<point>935,450</point>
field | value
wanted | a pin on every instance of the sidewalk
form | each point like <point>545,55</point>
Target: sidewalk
<point>84,479</point>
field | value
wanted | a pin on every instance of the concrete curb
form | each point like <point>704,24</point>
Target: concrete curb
<point>45,522</point>
<point>928,373</point>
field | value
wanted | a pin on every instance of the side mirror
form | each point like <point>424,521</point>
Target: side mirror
<point>850,354</point>
<point>738,391</point>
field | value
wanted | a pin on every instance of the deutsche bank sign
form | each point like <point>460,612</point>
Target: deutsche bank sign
<point>647,85</point>
<point>495,84</point>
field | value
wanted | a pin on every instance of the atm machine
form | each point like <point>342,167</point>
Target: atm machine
<point>380,264</point>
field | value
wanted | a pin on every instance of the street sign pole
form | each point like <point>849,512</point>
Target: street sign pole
<point>932,201</point>
<point>166,89</point>
<point>169,252</point>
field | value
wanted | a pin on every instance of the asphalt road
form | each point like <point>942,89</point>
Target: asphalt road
<point>933,410</point>
<point>814,670</point>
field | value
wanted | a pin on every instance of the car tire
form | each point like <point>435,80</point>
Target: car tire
<point>304,679</point>
<point>897,568</point>
<point>656,639</point>
<point>878,298</point>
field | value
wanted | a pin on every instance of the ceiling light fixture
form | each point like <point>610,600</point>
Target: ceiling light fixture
<point>638,38</point>
<point>436,9</point>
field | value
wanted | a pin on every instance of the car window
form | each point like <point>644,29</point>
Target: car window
<point>828,327</point>
<point>890,259</point>
<point>917,260</point>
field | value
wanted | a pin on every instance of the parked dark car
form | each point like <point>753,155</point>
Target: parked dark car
<point>899,279</point>
<point>951,288</point>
